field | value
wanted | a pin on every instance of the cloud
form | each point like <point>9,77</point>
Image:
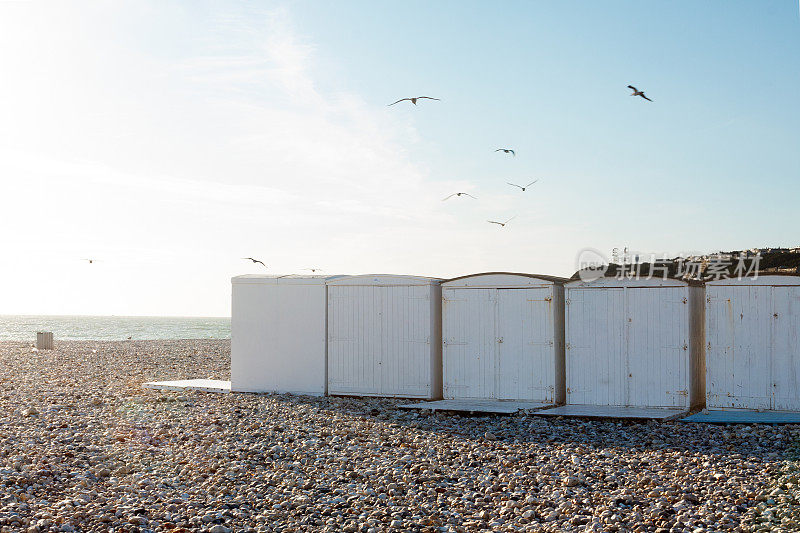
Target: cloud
<point>173,161</point>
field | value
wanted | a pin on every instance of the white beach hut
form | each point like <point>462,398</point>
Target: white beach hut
<point>753,343</point>
<point>384,336</point>
<point>634,343</point>
<point>503,337</point>
<point>278,332</point>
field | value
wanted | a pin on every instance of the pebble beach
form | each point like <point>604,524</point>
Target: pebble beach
<point>84,448</point>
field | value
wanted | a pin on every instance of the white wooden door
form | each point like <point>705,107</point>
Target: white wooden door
<point>469,342</point>
<point>656,366</point>
<point>595,351</point>
<point>785,348</point>
<point>738,339</point>
<point>525,329</point>
<point>354,339</point>
<point>405,361</point>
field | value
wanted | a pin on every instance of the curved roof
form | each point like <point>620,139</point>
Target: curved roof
<point>634,282</point>
<point>384,279</point>
<point>493,279</point>
<point>287,279</point>
<point>764,279</point>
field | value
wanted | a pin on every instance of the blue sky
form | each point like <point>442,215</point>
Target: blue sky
<point>549,78</point>
<point>170,140</point>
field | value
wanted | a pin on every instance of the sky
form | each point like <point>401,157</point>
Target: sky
<point>167,140</point>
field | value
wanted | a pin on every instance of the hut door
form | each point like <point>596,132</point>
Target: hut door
<point>596,347</point>
<point>525,362</point>
<point>405,340</point>
<point>785,357</point>
<point>656,369</point>
<point>738,348</point>
<point>354,339</point>
<point>469,342</point>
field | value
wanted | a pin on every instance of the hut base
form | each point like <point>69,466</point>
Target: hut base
<point>205,385</point>
<point>500,407</point>
<point>610,411</point>
<point>744,416</point>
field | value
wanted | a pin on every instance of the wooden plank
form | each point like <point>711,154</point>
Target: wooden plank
<point>205,385</point>
<point>744,416</point>
<point>611,411</point>
<point>477,406</point>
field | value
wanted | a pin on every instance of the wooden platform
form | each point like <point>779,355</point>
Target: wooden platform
<point>500,407</point>
<point>205,385</point>
<point>607,411</point>
<point>744,416</point>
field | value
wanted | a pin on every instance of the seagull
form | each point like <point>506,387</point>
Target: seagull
<point>255,261</point>
<point>506,150</point>
<point>503,224</point>
<point>521,187</point>
<point>414,99</point>
<point>637,92</point>
<point>459,194</point>
<point>313,269</point>
<point>90,260</point>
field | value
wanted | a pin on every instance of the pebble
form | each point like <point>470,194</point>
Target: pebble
<point>93,451</point>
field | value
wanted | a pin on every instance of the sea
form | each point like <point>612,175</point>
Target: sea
<point>113,328</point>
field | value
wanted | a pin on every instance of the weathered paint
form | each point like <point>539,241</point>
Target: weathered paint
<point>501,338</point>
<point>634,343</point>
<point>384,336</point>
<point>752,345</point>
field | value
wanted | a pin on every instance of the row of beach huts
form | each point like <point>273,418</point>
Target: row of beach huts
<point>626,343</point>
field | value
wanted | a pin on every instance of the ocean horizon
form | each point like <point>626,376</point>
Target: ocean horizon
<point>113,328</point>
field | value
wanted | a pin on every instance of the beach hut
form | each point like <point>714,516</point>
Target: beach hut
<point>384,336</point>
<point>503,337</point>
<point>634,343</point>
<point>753,343</point>
<point>278,332</point>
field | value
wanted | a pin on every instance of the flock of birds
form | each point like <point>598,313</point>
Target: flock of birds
<point>523,188</point>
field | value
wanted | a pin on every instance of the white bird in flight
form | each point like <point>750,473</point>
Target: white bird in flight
<point>637,92</point>
<point>414,99</point>
<point>507,151</point>
<point>502,224</point>
<point>255,261</point>
<point>459,194</point>
<point>521,187</point>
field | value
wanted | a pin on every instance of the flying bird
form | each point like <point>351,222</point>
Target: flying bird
<point>414,99</point>
<point>255,261</point>
<point>507,151</point>
<point>521,187</point>
<point>313,269</point>
<point>637,92</point>
<point>459,194</point>
<point>90,260</point>
<point>502,224</point>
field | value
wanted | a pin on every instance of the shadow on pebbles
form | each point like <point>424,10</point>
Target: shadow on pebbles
<point>84,448</point>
